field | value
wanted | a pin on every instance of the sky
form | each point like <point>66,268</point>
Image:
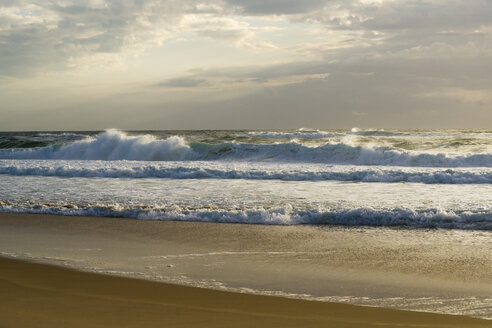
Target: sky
<point>245,64</point>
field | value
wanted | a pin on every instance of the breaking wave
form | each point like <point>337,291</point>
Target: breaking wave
<point>367,216</point>
<point>110,145</point>
<point>299,134</point>
<point>58,135</point>
<point>116,145</point>
<point>251,171</point>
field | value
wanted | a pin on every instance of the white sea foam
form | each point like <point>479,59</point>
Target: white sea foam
<point>56,135</point>
<point>116,145</point>
<point>299,134</point>
<point>110,145</point>
<point>204,176</point>
<point>244,170</point>
<point>286,215</point>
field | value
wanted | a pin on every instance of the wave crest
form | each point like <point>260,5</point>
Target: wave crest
<point>111,145</point>
<point>245,170</point>
<point>116,145</point>
<point>286,215</point>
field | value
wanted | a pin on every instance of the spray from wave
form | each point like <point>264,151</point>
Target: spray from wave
<point>244,170</point>
<point>110,145</point>
<point>284,215</point>
<point>116,145</point>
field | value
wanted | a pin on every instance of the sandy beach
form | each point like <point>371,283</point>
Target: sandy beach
<point>443,271</point>
<point>36,295</point>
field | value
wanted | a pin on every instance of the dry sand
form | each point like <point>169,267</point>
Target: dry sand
<point>38,295</point>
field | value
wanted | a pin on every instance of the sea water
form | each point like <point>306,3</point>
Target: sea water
<point>423,179</point>
<point>359,216</point>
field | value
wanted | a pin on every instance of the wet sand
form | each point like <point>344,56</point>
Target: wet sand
<point>37,295</point>
<point>444,271</point>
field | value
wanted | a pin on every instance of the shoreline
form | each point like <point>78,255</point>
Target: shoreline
<point>40,295</point>
<point>377,267</point>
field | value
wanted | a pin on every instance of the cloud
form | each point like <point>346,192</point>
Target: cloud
<point>227,29</point>
<point>405,23</point>
<point>372,60</point>
<point>255,75</point>
<point>343,99</point>
<point>277,7</point>
<point>182,82</point>
<point>50,35</point>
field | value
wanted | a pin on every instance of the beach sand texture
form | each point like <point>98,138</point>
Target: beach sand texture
<point>36,295</point>
<point>376,262</point>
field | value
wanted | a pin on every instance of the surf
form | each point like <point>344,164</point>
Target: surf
<point>113,145</point>
<point>244,170</point>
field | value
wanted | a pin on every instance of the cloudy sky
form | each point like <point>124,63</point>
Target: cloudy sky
<point>185,64</point>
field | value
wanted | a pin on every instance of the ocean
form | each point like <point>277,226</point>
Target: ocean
<point>355,177</point>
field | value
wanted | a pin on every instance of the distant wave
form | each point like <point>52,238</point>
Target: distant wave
<point>367,216</point>
<point>299,134</point>
<point>12,143</point>
<point>37,140</point>
<point>374,132</point>
<point>319,134</point>
<point>116,145</point>
<point>58,135</point>
<point>251,171</point>
<point>420,133</point>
